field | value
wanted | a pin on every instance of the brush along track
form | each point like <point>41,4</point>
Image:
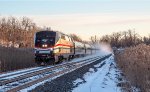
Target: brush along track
<point>29,79</point>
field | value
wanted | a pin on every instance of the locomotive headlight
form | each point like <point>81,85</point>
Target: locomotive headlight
<point>44,45</point>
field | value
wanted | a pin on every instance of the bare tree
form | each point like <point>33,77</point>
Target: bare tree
<point>17,30</point>
<point>76,37</point>
<point>123,39</point>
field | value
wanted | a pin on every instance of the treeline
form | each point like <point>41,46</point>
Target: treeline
<point>17,31</point>
<point>20,31</point>
<point>76,37</point>
<point>122,39</point>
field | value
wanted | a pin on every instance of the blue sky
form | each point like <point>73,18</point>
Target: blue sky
<point>84,17</point>
<point>42,7</point>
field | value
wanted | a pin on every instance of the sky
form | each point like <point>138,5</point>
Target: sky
<point>83,17</point>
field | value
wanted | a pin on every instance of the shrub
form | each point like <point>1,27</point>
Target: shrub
<point>16,58</point>
<point>135,64</point>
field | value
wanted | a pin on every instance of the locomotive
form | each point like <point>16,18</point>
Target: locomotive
<point>52,47</point>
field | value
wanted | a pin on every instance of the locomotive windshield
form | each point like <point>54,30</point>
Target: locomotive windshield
<point>45,38</point>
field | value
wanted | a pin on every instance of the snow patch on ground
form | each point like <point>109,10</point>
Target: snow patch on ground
<point>91,70</point>
<point>78,81</point>
<point>104,80</point>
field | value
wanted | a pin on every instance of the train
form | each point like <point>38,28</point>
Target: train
<point>52,47</point>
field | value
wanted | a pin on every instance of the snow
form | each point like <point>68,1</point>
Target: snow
<point>17,73</point>
<point>34,86</point>
<point>104,80</point>
<point>24,81</point>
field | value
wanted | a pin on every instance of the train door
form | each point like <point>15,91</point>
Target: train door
<point>72,45</point>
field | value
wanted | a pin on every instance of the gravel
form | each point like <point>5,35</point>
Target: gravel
<point>65,83</point>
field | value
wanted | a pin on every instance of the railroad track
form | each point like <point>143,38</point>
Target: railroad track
<point>19,81</point>
<point>21,72</point>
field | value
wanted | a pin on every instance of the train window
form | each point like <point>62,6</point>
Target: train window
<point>67,38</point>
<point>45,34</point>
<point>57,37</point>
<point>63,37</point>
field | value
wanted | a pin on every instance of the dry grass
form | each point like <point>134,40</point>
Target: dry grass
<point>13,58</point>
<point>135,64</point>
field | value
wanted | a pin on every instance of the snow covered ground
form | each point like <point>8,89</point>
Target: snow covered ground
<point>103,80</point>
